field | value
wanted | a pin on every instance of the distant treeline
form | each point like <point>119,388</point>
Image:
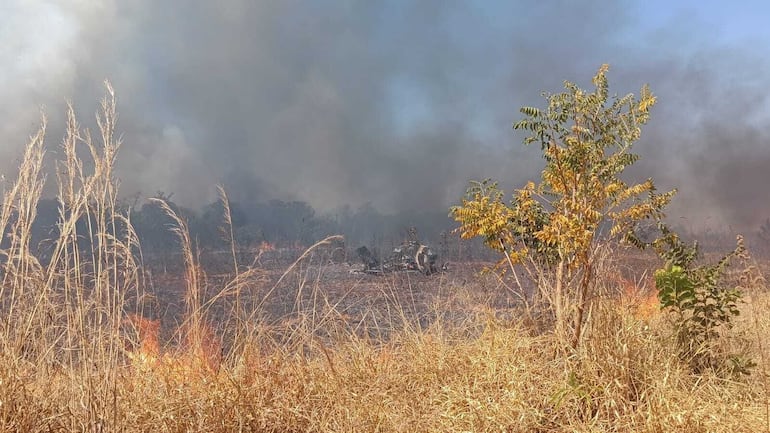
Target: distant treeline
<point>296,224</point>
<point>279,223</point>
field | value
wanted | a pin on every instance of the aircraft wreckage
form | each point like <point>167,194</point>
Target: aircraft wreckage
<point>409,256</point>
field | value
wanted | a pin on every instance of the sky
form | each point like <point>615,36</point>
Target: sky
<point>395,103</point>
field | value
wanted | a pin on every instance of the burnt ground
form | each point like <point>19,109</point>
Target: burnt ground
<point>320,288</point>
<point>324,288</point>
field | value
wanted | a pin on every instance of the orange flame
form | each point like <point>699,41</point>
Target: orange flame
<point>639,298</point>
<point>266,246</point>
<point>149,347</point>
<point>202,358</point>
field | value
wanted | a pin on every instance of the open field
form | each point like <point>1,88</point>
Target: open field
<point>330,350</point>
<point>98,338</point>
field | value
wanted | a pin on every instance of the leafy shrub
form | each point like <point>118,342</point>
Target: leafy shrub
<point>701,303</point>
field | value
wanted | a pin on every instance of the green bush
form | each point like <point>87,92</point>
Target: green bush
<point>702,304</point>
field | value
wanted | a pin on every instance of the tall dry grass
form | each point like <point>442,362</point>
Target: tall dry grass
<point>80,353</point>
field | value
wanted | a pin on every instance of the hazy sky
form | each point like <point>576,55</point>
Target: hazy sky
<point>398,103</point>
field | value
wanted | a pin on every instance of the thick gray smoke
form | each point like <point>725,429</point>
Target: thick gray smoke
<point>396,103</point>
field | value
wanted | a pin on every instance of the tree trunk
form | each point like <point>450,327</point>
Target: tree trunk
<point>585,282</point>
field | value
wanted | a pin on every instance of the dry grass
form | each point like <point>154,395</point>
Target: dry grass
<point>78,354</point>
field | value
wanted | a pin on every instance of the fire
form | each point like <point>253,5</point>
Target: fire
<point>266,246</point>
<point>640,299</point>
<point>147,330</point>
<point>195,359</point>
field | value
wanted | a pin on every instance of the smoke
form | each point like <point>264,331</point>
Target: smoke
<point>394,103</point>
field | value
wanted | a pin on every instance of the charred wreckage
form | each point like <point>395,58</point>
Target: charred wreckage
<point>411,255</point>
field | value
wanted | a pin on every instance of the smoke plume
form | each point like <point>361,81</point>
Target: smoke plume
<point>395,103</point>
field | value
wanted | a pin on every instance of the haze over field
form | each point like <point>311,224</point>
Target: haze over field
<point>396,103</point>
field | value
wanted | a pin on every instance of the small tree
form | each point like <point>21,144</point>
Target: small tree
<point>581,200</point>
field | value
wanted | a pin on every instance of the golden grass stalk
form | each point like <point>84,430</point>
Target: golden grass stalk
<point>194,317</point>
<point>228,226</point>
